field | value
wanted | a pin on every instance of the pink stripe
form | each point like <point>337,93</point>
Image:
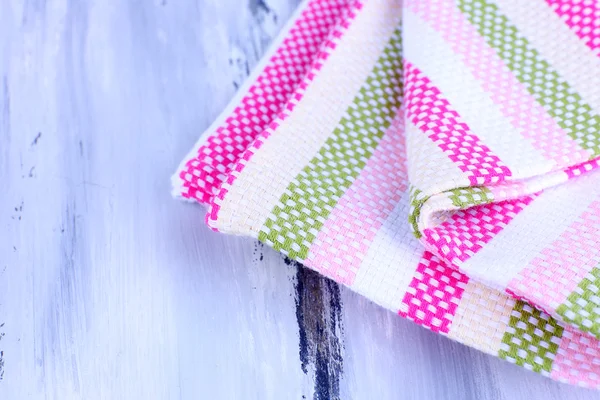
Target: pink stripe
<point>342,243</point>
<point>432,113</point>
<point>505,90</point>
<point>580,169</point>
<point>582,17</point>
<point>578,359</point>
<point>327,48</point>
<point>555,273</point>
<point>467,231</point>
<point>204,174</point>
<point>433,295</point>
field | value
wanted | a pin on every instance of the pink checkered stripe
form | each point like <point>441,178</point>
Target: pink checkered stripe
<point>467,231</point>
<point>582,17</point>
<point>344,239</point>
<point>578,359</point>
<point>327,48</point>
<point>580,169</point>
<point>432,113</point>
<point>524,113</point>
<point>433,298</point>
<point>203,175</point>
<point>555,273</point>
<point>433,295</point>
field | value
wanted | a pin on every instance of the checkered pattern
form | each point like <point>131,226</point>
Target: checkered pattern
<point>471,196</point>
<point>560,275</point>
<point>362,210</point>
<point>469,230</point>
<point>576,359</point>
<point>417,199</point>
<point>580,169</point>
<point>531,339</point>
<point>432,297</point>
<point>482,317</point>
<point>491,158</point>
<point>582,307</point>
<point>429,110</point>
<point>311,196</point>
<point>545,84</point>
<point>525,114</point>
<point>203,175</point>
<point>582,17</point>
<point>327,47</point>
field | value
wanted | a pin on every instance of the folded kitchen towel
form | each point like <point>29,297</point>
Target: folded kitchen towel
<point>436,156</point>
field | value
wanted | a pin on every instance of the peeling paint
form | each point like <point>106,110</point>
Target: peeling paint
<point>37,138</point>
<point>320,329</point>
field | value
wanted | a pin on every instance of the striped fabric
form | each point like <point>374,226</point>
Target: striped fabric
<point>438,157</point>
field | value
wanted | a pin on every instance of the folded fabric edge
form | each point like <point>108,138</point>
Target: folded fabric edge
<point>461,236</point>
<point>467,342</point>
<point>327,47</point>
<point>214,206</point>
<point>429,211</point>
<point>177,183</point>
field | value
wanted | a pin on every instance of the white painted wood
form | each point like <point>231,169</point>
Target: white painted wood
<point>109,289</point>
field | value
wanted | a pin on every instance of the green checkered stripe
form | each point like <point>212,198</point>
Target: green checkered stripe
<point>417,199</point>
<point>531,339</point>
<point>461,198</point>
<point>582,307</point>
<point>311,196</point>
<point>559,99</point>
<point>470,196</point>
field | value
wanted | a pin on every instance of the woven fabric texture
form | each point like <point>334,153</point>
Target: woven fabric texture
<point>438,157</point>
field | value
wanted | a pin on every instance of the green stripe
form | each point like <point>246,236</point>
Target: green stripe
<point>462,198</point>
<point>470,196</point>
<point>559,99</point>
<point>582,307</point>
<point>417,199</point>
<point>311,196</point>
<point>531,339</point>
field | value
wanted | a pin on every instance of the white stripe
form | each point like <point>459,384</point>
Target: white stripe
<point>300,136</point>
<point>532,230</point>
<point>429,168</point>
<point>391,260</point>
<point>552,38</point>
<point>447,72</point>
<point>431,171</point>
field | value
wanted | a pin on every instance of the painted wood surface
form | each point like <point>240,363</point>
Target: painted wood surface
<point>110,289</point>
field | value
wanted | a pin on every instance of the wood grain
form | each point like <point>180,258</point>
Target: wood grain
<point>110,289</point>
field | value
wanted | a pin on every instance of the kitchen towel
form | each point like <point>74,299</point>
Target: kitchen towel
<point>438,157</point>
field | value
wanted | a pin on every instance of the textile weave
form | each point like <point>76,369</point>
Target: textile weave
<point>438,157</point>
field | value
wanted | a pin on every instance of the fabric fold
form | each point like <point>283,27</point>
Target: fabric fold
<point>483,110</point>
<point>437,157</point>
<point>499,105</point>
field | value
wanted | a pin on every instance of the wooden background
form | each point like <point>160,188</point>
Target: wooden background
<point>110,289</point>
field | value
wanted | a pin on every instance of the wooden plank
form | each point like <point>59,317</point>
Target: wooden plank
<point>110,289</point>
